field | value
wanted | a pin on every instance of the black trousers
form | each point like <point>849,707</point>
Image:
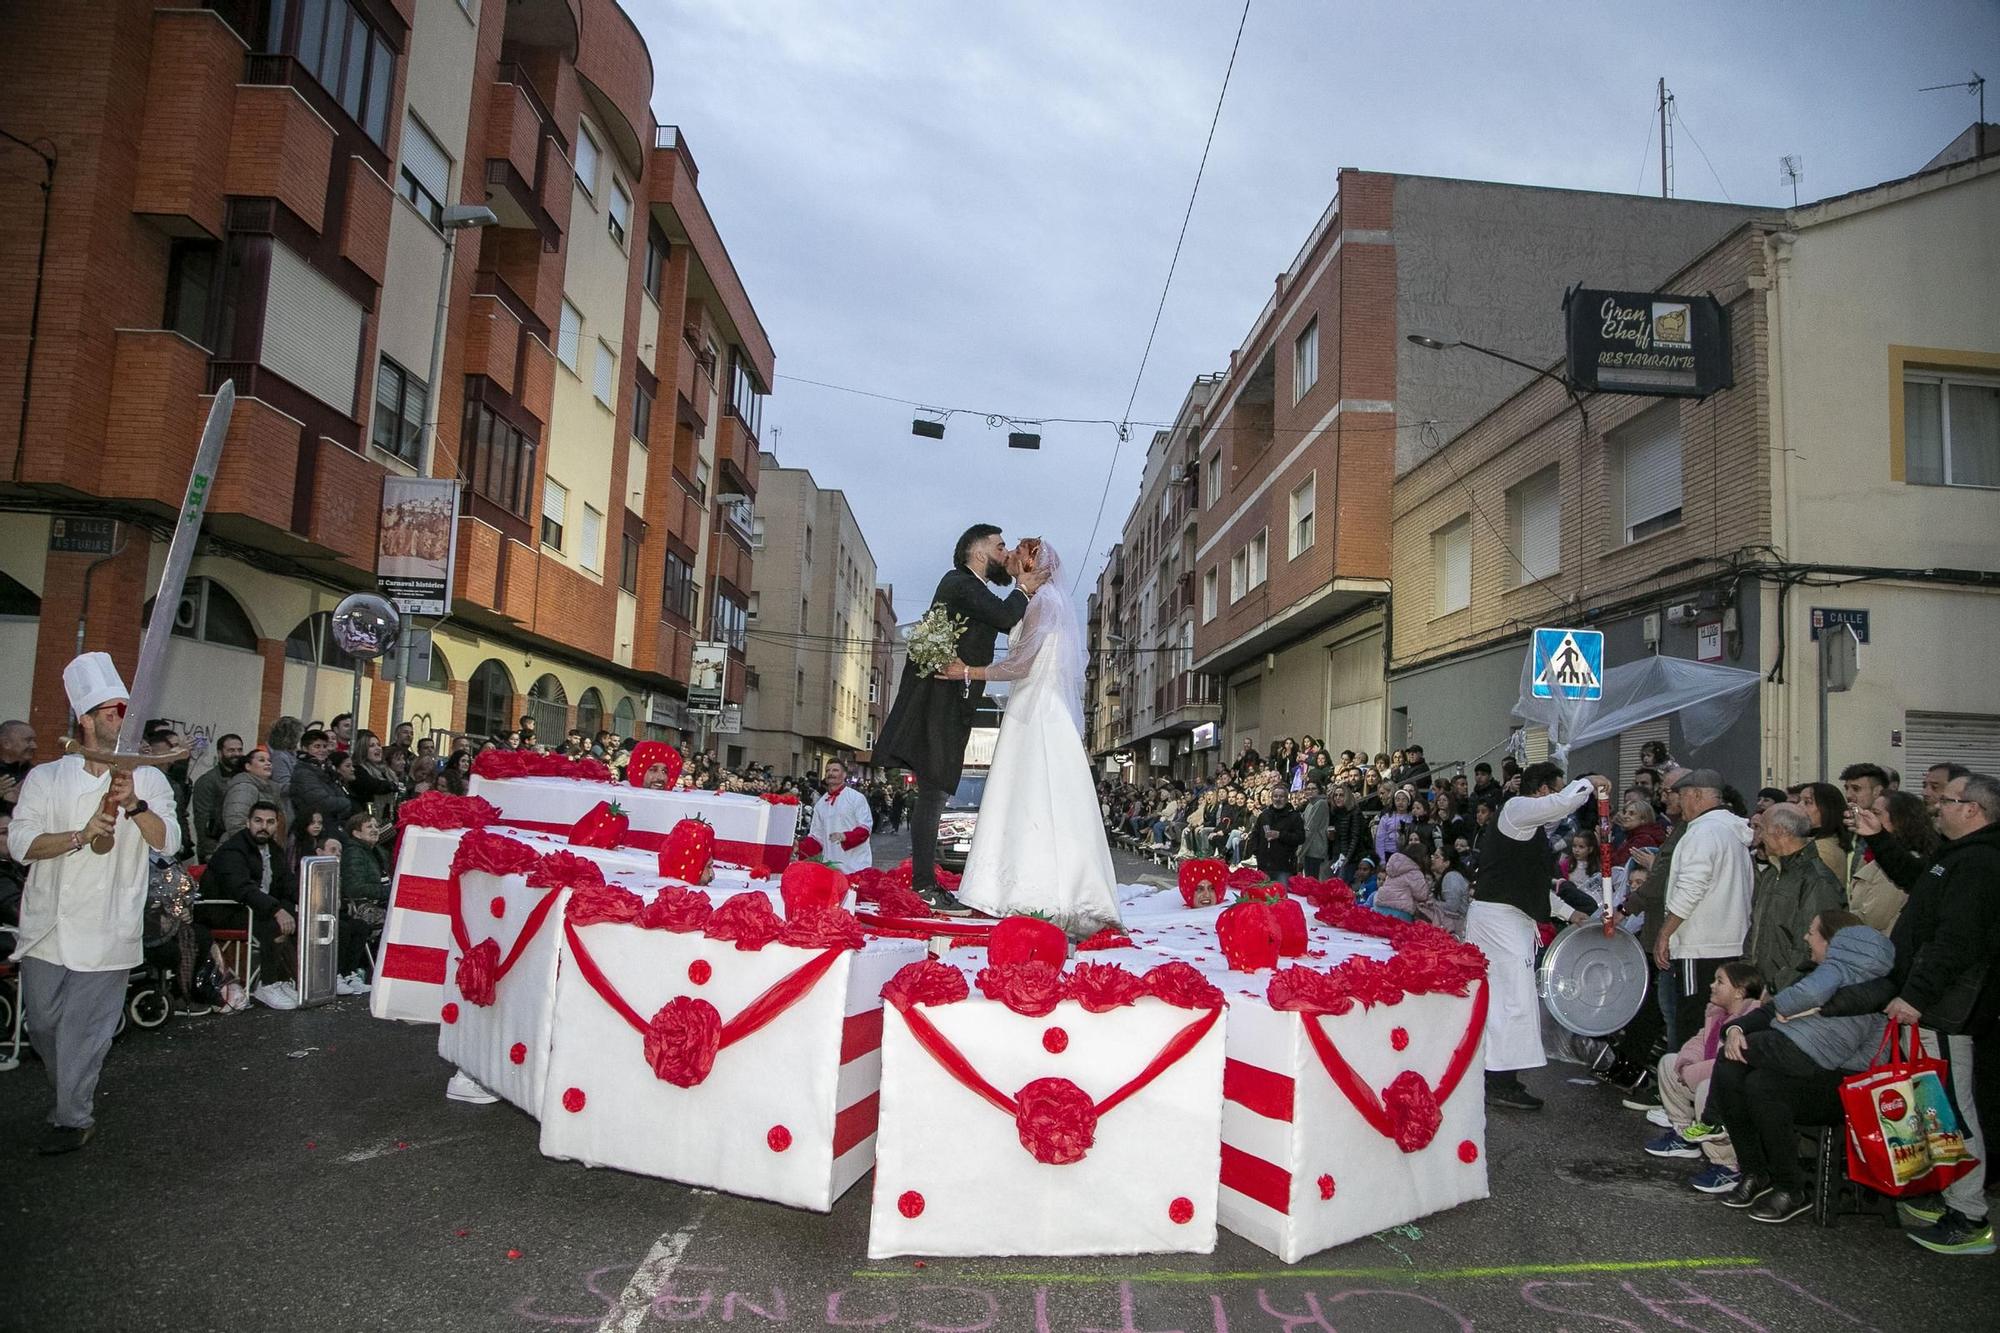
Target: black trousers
<point>924,812</point>
<point>1692,976</point>
<point>1763,1105</point>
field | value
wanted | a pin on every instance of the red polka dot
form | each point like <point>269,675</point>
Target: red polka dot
<point>699,971</point>
<point>1181,1211</point>
<point>911,1204</point>
<point>779,1138</point>
<point>1055,1041</point>
<point>519,1053</point>
<point>573,1100</point>
<point>1400,1038</point>
<point>1468,1152</point>
<point>1326,1187</point>
<point>498,907</point>
<point>449,1013</point>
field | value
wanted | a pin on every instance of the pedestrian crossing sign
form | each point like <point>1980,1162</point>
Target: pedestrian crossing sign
<point>1569,664</point>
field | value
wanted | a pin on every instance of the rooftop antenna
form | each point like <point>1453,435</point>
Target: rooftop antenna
<point>1976,85</point>
<point>1666,140</point>
<point>1792,170</point>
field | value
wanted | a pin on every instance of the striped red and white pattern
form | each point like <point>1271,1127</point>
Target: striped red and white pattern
<point>749,831</point>
<point>416,936</point>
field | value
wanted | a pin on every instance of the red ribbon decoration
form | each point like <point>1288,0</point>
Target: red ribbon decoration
<point>1365,1099</point>
<point>953,1061</point>
<point>758,1014</point>
<point>529,929</point>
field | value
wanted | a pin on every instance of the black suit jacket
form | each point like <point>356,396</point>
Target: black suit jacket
<point>931,719</point>
<point>236,871</point>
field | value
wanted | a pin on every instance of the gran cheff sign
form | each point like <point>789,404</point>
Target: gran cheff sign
<point>1652,343</point>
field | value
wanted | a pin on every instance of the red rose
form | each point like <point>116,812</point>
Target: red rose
<point>809,885</point>
<point>746,918</point>
<point>866,883</point>
<point>1413,1107</point>
<point>677,909</point>
<point>821,928</point>
<point>1247,877</point>
<point>564,870</point>
<point>437,809</point>
<point>1108,938</point>
<point>901,900</point>
<point>682,1039</point>
<point>478,972</point>
<point>926,982</point>
<point>1302,990</point>
<point>1180,984</point>
<point>1100,987</point>
<point>598,903</point>
<point>1057,1120</point>
<point>1033,989</point>
<point>494,854</point>
<point>780,798</point>
<point>1249,935</point>
<point>1020,939</point>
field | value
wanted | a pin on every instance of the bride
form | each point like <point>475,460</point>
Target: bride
<point>1040,847</point>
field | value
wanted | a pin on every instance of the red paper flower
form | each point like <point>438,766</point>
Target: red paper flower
<point>677,909</point>
<point>1101,987</point>
<point>1180,984</point>
<point>1468,1151</point>
<point>528,764</point>
<point>573,1100</point>
<point>1399,1039</point>
<point>1202,880</point>
<point>780,798</point>
<point>1326,1187</point>
<point>1249,936</point>
<point>682,1039</point>
<point>1057,1120</point>
<point>1247,877</point>
<point>1031,989</point>
<point>476,972</point>
<point>822,928</point>
<point>1413,1107</point>
<point>779,1138</point>
<point>602,902</point>
<point>945,879</point>
<point>449,1013</point>
<point>901,900</point>
<point>699,971</point>
<point>493,854</point>
<point>1108,938</point>
<point>436,809</point>
<point>564,870</point>
<point>518,1053</point>
<point>746,918</point>
<point>807,885</point>
<point>1055,1041</point>
<point>1181,1211</point>
<point>926,982</point>
<point>498,906</point>
<point>910,1204</point>
<point>1021,939</point>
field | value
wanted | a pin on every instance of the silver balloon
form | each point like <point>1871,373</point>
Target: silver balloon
<point>365,625</point>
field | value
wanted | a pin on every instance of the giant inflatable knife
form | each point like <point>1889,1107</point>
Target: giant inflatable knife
<point>146,679</point>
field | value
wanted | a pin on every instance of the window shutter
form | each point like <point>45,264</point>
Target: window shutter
<point>425,159</point>
<point>555,501</point>
<point>312,331</point>
<point>586,161</point>
<point>570,333</point>
<point>1452,553</point>
<point>606,366</point>
<point>1972,739</point>
<point>1541,524</point>
<point>1629,742</point>
<point>592,535</point>
<point>1651,457</point>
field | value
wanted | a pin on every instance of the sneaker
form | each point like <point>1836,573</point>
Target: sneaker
<point>1716,1180</point>
<point>278,995</point>
<point>1512,1097</point>
<point>1923,1211</point>
<point>234,999</point>
<point>1630,1077</point>
<point>1671,1144</point>
<point>1642,1096</point>
<point>1748,1190</point>
<point>60,1139</point>
<point>465,1088</point>
<point>1955,1233</point>
<point>1780,1206</point>
<point>943,903</point>
<point>1658,1116</point>
<point>352,983</point>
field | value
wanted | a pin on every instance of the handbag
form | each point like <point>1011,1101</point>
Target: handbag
<point>1903,1134</point>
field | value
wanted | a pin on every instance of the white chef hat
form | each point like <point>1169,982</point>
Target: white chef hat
<point>92,681</point>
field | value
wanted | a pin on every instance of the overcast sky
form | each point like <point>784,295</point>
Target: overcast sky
<point>973,205</point>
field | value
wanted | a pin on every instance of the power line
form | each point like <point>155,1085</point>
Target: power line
<point>1681,121</point>
<point>1124,429</point>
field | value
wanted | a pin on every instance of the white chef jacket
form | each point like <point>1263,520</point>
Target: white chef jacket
<point>833,818</point>
<point>81,910</point>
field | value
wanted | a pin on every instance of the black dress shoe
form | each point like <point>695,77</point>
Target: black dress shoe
<point>1748,1190</point>
<point>1512,1097</point>
<point>63,1138</point>
<point>943,903</point>
<point>1781,1206</point>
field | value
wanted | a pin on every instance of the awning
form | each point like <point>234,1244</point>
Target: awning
<point>1707,699</point>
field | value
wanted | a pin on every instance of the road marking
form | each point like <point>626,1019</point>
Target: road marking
<point>652,1274</point>
<point>388,1146</point>
<point>1398,1274</point>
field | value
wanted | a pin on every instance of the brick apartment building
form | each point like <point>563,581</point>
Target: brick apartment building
<point>1324,403</point>
<point>883,670</point>
<point>254,190</point>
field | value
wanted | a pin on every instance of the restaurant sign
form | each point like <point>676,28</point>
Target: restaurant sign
<point>1647,343</point>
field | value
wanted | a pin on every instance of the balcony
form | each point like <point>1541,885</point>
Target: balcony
<point>184,134</point>
<point>280,147</point>
<point>1190,692</point>
<point>527,159</point>
<point>736,455</point>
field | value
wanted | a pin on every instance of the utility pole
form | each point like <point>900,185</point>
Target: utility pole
<point>1666,140</point>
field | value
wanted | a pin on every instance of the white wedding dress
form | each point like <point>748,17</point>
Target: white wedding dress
<point>1040,845</point>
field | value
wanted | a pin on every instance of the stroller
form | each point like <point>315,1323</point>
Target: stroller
<point>180,971</point>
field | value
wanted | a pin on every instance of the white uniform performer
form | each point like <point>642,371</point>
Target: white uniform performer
<point>1516,868</point>
<point>835,819</point>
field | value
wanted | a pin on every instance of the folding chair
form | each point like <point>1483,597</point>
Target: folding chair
<point>239,946</point>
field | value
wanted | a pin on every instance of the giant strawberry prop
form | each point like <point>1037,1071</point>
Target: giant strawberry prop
<point>688,854</point>
<point>603,825</point>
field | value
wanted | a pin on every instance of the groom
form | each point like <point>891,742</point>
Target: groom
<point>932,719</point>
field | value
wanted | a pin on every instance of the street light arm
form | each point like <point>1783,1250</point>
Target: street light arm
<point>1439,345</point>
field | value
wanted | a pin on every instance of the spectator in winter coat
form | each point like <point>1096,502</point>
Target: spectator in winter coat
<point>1793,887</point>
<point>1316,820</point>
<point>1637,827</point>
<point>1897,842</point>
<point>252,783</point>
<point>1276,836</point>
<point>1454,888</point>
<point>252,868</point>
<point>282,741</point>
<point>205,800</point>
<point>315,788</point>
<point>1405,892</point>
<point>1389,828</point>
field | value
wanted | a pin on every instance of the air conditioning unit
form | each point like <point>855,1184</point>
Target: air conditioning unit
<point>1682,613</point>
<point>1179,474</point>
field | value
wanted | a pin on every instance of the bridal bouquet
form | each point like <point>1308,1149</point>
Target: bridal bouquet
<point>934,639</point>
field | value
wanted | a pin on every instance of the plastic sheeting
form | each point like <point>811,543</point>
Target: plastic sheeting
<point>1707,698</point>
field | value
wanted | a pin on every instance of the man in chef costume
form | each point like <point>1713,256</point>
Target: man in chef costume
<point>841,824</point>
<point>83,829</point>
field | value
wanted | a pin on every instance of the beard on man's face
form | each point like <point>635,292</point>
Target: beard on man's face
<point>261,836</point>
<point>997,572</point>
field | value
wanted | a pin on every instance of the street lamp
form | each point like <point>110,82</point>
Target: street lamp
<point>1445,344</point>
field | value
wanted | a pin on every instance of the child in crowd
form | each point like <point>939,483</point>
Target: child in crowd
<point>1684,1075</point>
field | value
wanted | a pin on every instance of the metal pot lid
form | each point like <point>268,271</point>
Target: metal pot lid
<point>1592,983</point>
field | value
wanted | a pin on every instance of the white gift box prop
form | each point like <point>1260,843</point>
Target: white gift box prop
<point>952,1174</point>
<point>787,1112</point>
<point>505,1043</point>
<point>749,831</point>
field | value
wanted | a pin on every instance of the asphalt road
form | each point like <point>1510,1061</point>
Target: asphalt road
<point>304,1170</point>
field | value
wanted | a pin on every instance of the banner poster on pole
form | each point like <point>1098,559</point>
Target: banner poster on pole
<point>419,541</point>
<point>711,664</point>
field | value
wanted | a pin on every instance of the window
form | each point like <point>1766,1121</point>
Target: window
<point>425,175</point>
<point>809,541</point>
<point>642,414</point>
<point>618,219</point>
<point>1534,515</point>
<point>194,286</point>
<point>750,611</point>
<point>1260,557</point>
<point>592,540</point>
<point>800,698</point>
<point>569,337</point>
<point>401,400</point>
<point>677,591</point>
<point>1302,517</point>
<point>1646,480</point>
<point>1214,472</point>
<point>1239,574</point>
<point>497,459</point>
<point>1451,566</point>
<point>555,511</point>
<point>311,640</point>
<point>656,261</point>
<point>746,395</point>
<point>756,534</point>
<point>209,613</point>
<point>1208,583</point>
<point>586,160</point>
<point>728,621</point>
<point>1951,430</point>
<point>701,476</point>
<point>1305,360</point>
<point>348,58</point>
<point>605,380</point>
<point>628,564</point>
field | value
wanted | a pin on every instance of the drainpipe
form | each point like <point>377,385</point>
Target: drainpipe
<point>1778,724</point>
<point>48,187</point>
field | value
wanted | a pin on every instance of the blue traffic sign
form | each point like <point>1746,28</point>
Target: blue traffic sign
<point>1569,664</point>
